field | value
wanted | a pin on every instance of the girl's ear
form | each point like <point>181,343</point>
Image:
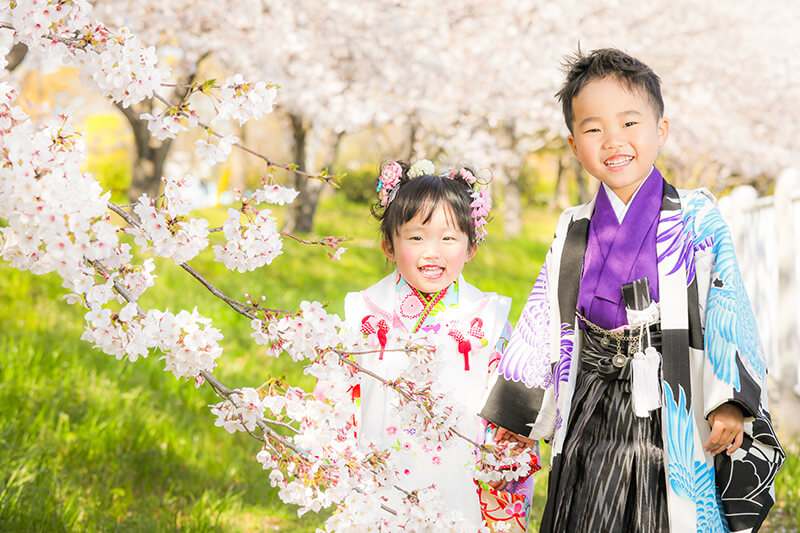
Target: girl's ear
<point>472,251</point>
<point>386,246</point>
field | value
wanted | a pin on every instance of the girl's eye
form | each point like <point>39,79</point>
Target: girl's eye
<point>416,238</point>
<point>629,124</point>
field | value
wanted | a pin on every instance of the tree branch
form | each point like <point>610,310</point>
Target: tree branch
<point>329,179</point>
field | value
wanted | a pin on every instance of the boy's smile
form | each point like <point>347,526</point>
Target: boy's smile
<point>616,134</point>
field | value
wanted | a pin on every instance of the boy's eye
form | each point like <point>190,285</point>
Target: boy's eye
<point>592,130</point>
<point>630,123</point>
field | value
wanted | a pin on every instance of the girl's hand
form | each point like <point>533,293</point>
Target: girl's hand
<point>498,485</point>
<point>505,435</point>
<point>727,429</point>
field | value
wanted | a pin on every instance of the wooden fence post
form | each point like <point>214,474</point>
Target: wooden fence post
<point>787,211</point>
<point>766,234</point>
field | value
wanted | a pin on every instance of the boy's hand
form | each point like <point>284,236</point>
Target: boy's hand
<point>727,429</point>
<point>505,435</point>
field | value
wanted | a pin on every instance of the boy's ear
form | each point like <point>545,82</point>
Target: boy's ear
<point>663,131</point>
<point>386,246</point>
<point>571,141</point>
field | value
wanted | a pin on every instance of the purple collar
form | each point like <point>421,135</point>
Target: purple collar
<point>619,253</point>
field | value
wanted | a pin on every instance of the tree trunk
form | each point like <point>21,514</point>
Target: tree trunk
<point>512,203</point>
<point>238,162</point>
<point>151,154</point>
<point>412,139</point>
<point>560,199</point>
<point>512,191</point>
<point>307,143</point>
<point>15,56</point>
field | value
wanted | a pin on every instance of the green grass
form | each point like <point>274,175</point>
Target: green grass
<point>89,443</point>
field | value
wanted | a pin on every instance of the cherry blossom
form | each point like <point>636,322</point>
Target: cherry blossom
<point>342,66</point>
<point>250,245</point>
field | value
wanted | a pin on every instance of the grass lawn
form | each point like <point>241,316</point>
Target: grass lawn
<point>89,443</point>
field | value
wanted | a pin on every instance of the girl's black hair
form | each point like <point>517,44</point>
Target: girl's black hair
<point>424,194</point>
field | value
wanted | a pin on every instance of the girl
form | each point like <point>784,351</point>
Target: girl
<point>431,225</point>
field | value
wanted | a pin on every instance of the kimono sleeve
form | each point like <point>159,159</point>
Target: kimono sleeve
<point>734,371</point>
<point>519,390</point>
<point>734,367</point>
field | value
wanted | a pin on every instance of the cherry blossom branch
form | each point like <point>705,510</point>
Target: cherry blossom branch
<point>325,242</point>
<point>82,43</point>
<point>219,388</point>
<point>344,357</point>
<point>269,436</point>
<point>224,392</point>
<point>237,306</point>
<point>330,179</point>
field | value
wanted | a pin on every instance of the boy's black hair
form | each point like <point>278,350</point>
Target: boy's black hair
<point>424,194</point>
<point>603,63</point>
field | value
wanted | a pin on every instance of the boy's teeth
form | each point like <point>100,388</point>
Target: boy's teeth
<point>618,161</point>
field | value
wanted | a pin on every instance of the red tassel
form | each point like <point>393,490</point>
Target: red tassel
<point>383,328</point>
<point>355,391</point>
<point>464,347</point>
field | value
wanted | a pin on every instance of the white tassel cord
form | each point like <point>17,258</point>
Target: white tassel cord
<point>646,381</point>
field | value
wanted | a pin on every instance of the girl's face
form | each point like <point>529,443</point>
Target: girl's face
<point>431,255</point>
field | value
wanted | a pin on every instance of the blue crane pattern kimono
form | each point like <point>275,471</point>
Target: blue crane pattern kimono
<point>711,355</point>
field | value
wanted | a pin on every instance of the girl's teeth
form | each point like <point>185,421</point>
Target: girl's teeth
<point>431,271</point>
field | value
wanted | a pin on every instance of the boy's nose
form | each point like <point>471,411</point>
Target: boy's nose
<point>613,139</point>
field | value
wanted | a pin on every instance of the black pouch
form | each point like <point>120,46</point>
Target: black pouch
<point>744,484</point>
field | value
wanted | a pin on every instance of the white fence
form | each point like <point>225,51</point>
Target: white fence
<point>766,233</point>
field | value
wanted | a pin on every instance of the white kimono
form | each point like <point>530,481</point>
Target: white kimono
<point>482,318</point>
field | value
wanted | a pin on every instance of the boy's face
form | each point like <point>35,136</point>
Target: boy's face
<point>616,134</point>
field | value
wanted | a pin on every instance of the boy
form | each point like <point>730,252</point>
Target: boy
<point>641,265</point>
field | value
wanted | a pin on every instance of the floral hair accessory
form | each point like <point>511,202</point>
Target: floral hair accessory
<point>481,205</point>
<point>468,176</point>
<point>423,167</point>
<point>390,177</point>
<point>481,202</point>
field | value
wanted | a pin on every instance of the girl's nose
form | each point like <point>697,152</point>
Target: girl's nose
<point>431,251</point>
